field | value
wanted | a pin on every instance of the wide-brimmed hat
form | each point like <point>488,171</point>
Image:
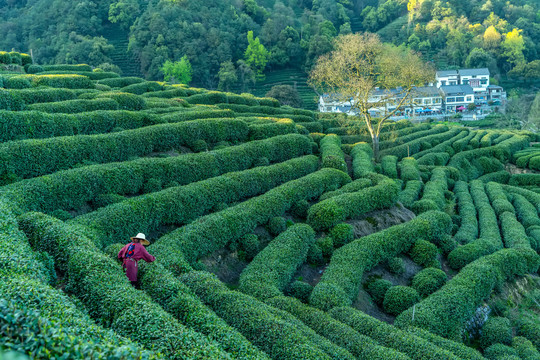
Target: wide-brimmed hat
<point>141,237</point>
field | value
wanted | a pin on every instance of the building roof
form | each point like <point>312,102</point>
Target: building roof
<point>457,90</point>
<point>441,73</point>
<point>469,72</point>
<point>426,91</point>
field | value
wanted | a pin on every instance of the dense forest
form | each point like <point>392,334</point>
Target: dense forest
<point>501,35</point>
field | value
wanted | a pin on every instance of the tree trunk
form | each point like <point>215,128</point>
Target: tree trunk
<point>375,142</point>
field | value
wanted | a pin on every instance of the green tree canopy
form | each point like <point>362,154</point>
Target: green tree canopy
<point>286,95</point>
<point>256,55</point>
<point>178,71</point>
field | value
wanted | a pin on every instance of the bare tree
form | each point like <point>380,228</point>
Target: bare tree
<point>371,76</point>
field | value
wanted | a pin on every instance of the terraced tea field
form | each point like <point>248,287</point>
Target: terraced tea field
<point>276,233</point>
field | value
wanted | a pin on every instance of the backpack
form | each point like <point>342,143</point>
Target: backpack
<point>130,251</point>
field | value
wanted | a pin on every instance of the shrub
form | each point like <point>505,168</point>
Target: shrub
<point>143,87</point>
<point>396,265</point>
<point>273,268</point>
<point>300,290</point>
<point>17,82</point>
<point>342,234</point>
<point>5,58</point>
<point>103,200</point>
<point>468,230</point>
<point>126,101</point>
<point>498,198</point>
<point>300,209</point>
<point>341,279</point>
<point>353,186</point>
<point>16,58</point>
<point>63,81</point>
<point>399,298</point>
<point>262,161</point>
<point>277,127</point>
<point>513,232</point>
<point>496,330</point>
<point>429,280</point>
<point>315,255</point>
<point>434,158</point>
<point>120,82</point>
<point>337,209</point>
<point>277,225</point>
<point>199,146</point>
<point>525,348</point>
<point>445,312</point>
<point>326,244</point>
<point>423,253</point>
<point>67,67</point>
<point>250,245</point>
<point>524,179</point>
<point>377,289</point>
<point>501,352</point>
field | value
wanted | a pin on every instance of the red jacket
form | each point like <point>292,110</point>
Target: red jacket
<point>130,263</point>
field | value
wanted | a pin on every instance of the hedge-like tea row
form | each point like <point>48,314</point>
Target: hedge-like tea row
<point>143,87</point>
<point>443,147</point>
<point>62,81</point>
<point>215,231</point>
<point>389,166</point>
<point>30,158</point>
<point>353,186</point>
<point>525,211</point>
<point>273,268</point>
<point>475,141</point>
<point>434,158</point>
<point>120,82</point>
<point>15,58</point>
<point>10,100</point>
<point>102,286</point>
<point>412,147</point>
<point>408,169</point>
<point>67,67</point>
<point>312,127</point>
<point>361,346</point>
<point>216,97</point>
<point>334,210</point>
<point>32,96</point>
<point>411,193</point>
<point>341,280</point>
<point>267,110</point>
<point>92,75</point>
<point>75,106</point>
<point>524,180</point>
<point>487,139</point>
<point>331,153</point>
<point>362,153</point>
<point>275,128</point>
<point>513,232</point>
<point>434,192</point>
<point>531,196</point>
<point>126,101</point>
<point>498,198</point>
<point>490,238</point>
<point>181,204</point>
<point>463,143</point>
<point>73,188</point>
<point>446,312</point>
<point>197,114</point>
<point>274,331</point>
<point>403,139</point>
<point>177,299</point>
<point>468,229</point>
<point>415,347</point>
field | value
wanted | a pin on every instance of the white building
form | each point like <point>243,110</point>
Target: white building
<point>457,97</point>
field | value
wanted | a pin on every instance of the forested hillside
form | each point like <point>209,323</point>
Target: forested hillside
<point>501,35</point>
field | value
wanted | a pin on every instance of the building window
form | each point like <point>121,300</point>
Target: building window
<point>466,82</point>
<point>474,76</point>
<point>427,101</point>
<point>437,101</point>
<point>469,98</point>
<point>453,82</point>
<point>460,99</point>
<point>450,99</point>
<point>483,81</point>
<point>443,82</point>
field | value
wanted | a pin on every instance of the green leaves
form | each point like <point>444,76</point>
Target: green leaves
<point>256,55</point>
<point>178,72</point>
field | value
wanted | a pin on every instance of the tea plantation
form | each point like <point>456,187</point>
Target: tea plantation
<point>276,233</point>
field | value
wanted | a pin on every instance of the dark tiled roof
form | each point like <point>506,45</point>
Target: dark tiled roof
<point>457,89</point>
<point>469,72</point>
<point>447,72</point>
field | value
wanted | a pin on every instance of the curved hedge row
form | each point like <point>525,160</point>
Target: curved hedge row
<point>362,153</point>
<point>62,81</point>
<point>73,188</point>
<point>409,195</point>
<point>468,229</point>
<point>433,197</point>
<point>498,198</point>
<point>92,75</point>
<point>513,232</point>
<point>30,158</point>
<point>524,180</point>
<point>443,147</point>
<point>446,311</point>
<point>463,143</point>
<point>331,153</point>
<point>67,67</point>
<point>525,211</point>
<point>490,237</point>
<point>332,211</point>
<point>10,100</point>
<point>389,166</point>
<point>275,128</point>
<point>404,136</point>
<point>102,286</point>
<point>212,232</point>
<point>410,148</point>
<point>143,87</point>
<point>75,106</point>
<point>341,280</point>
<point>531,196</point>
<point>353,186</point>
<point>120,82</point>
<point>361,346</point>
<point>32,96</point>
<point>273,331</point>
<point>15,58</point>
<point>273,268</point>
<point>390,336</point>
<point>457,348</point>
<point>408,169</point>
<point>181,204</point>
<point>19,125</point>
